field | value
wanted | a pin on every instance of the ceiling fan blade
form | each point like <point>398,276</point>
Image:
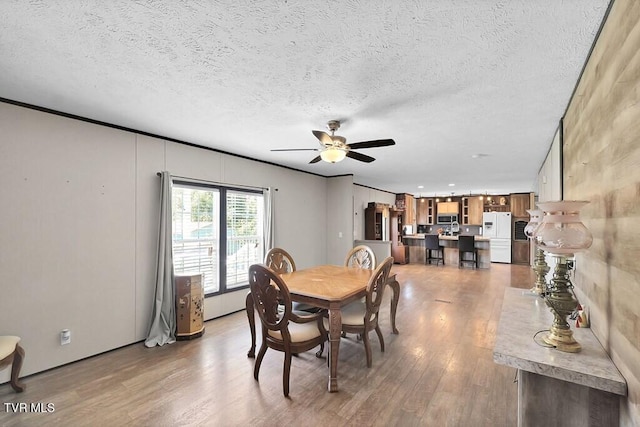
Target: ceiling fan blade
<point>296,149</point>
<point>315,160</point>
<point>359,156</point>
<point>372,144</point>
<point>324,137</point>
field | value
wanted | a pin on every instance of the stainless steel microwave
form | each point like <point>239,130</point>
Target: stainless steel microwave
<point>447,218</point>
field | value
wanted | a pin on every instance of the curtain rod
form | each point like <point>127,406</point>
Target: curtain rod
<point>224,184</point>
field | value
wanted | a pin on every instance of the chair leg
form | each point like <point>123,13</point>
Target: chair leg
<point>286,373</point>
<point>319,352</point>
<point>18,358</point>
<point>256,368</point>
<point>367,348</point>
<point>252,324</point>
<point>379,332</point>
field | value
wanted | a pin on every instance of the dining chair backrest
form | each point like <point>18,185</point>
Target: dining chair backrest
<point>279,261</point>
<point>361,256</point>
<point>271,298</point>
<point>375,288</point>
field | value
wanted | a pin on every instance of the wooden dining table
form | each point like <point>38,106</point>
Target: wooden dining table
<point>330,287</point>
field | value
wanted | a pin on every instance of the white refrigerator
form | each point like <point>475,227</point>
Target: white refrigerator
<point>497,226</point>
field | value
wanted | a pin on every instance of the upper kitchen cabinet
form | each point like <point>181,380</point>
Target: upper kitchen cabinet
<point>407,202</point>
<point>472,208</point>
<point>448,208</point>
<point>519,205</point>
<point>425,210</point>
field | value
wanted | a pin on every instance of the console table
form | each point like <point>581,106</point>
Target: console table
<point>555,388</point>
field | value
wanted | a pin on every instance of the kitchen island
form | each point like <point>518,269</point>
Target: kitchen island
<point>417,253</point>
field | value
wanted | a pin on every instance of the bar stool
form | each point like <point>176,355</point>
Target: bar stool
<point>467,244</point>
<point>432,243</point>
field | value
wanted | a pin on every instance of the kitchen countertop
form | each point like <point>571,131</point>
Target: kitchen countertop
<point>443,237</point>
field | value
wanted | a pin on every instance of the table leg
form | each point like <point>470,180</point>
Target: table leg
<point>335,328</point>
<point>395,286</point>
<point>252,324</point>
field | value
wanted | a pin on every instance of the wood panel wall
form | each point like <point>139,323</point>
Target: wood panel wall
<point>602,164</point>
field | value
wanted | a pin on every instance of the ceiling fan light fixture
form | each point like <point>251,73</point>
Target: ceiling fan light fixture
<point>333,155</point>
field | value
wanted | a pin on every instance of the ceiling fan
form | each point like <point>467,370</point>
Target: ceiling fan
<point>334,148</point>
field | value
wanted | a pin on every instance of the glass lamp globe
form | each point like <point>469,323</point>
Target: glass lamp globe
<point>561,231</point>
<point>534,222</point>
<point>333,155</point>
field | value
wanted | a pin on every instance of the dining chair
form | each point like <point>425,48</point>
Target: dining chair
<point>361,317</point>
<point>283,330</point>
<point>279,261</point>
<point>467,244</point>
<point>431,245</point>
<point>12,354</point>
<point>361,256</point>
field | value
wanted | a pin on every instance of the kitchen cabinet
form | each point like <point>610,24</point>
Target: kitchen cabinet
<point>407,202</point>
<point>425,211</point>
<point>520,252</point>
<point>376,216</point>
<point>448,208</point>
<point>421,210</point>
<point>472,209</point>
<point>519,205</point>
<point>399,251</point>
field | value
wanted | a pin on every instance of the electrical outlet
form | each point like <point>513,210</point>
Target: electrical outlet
<point>65,337</point>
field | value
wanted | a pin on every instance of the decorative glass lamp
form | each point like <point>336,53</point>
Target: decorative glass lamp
<point>562,234</point>
<point>540,265</point>
<point>333,154</point>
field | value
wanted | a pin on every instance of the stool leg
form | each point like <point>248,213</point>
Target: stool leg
<point>18,358</point>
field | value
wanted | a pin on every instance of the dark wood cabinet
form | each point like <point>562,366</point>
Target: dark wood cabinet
<point>520,252</point>
<point>399,251</point>
<point>375,216</point>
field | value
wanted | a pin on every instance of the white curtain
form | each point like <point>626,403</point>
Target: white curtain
<point>267,194</point>
<point>163,321</point>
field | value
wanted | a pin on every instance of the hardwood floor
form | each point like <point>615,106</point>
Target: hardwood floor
<point>438,371</point>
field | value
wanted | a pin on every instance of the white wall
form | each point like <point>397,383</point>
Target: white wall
<point>78,225</point>
<point>339,218</point>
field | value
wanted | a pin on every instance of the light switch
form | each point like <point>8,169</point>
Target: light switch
<point>340,234</point>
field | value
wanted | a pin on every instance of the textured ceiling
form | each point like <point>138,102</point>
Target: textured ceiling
<point>445,79</point>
